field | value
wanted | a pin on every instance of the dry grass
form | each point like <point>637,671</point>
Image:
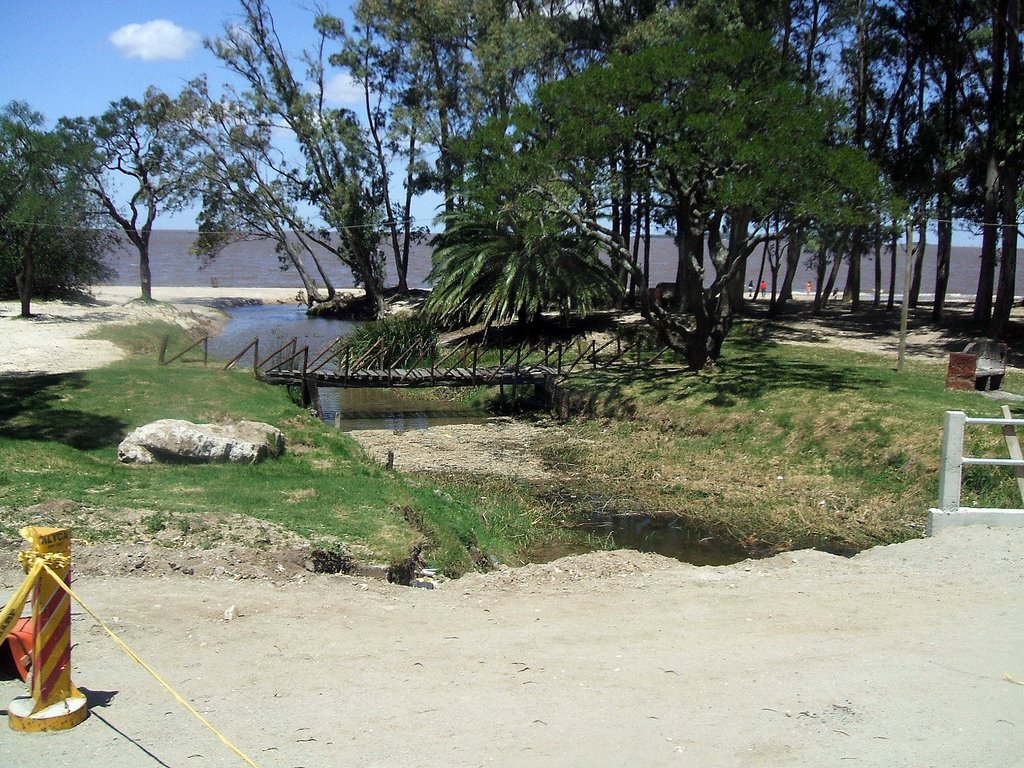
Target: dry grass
<point>780,447</point>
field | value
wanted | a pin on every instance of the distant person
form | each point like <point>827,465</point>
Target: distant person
<point>750,288</point>
<point>764,286</point>
<point>809,288</point>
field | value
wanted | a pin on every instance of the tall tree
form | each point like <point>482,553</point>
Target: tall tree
<point>143,144</point>
<point>48,238</point>
<point>390,100</point>
<point>250,183</point>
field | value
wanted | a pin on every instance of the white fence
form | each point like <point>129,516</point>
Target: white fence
<point>950,512</point>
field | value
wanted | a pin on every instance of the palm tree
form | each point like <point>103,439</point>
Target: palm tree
<point>512,265</point>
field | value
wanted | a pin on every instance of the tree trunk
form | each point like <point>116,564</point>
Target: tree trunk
<point>852,291</point>
<point>1010,176</point>
<point>995,113</point>
<point>25,281</point>
<point>987,268</point>
<point>1008,254</point>
<point>922,240</point>
<point>890,304</point>
<point>794,249</point>
<point>943,255</point>
<point>820,294</point>
<point>877,301</point>
<point>145,274</point>
<point>833,274</point>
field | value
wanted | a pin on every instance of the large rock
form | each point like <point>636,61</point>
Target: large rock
<point>182,442</point>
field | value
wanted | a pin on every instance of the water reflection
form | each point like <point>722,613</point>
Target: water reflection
<point>275,325</point>
<point>394,409</point>
<point>666,535</point>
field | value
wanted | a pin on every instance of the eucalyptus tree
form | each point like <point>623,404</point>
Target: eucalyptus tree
<point>999,126</point>
<point>394,120</point>
<point>143,144</point>
<point>252,185</point>
<point>49,241</point>
<point>427,44</point>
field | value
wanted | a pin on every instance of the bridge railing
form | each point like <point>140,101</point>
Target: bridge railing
<point>950,511</point>
<point>485,364</point>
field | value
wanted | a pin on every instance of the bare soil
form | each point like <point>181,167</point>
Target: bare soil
<point>906,655</point>
<point>902,656</point>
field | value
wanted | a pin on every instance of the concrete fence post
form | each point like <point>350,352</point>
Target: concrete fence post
<point>952,460</point>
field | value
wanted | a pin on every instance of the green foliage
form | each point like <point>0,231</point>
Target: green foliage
<point>59,436</point>
<point>143,144</point>
<point>48,241</point>
<point>394,336</point>
<point>249,188</point>
<point>780,446</point>
<point>512,264</point>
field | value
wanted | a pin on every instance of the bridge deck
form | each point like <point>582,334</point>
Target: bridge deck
<point>418,377</point>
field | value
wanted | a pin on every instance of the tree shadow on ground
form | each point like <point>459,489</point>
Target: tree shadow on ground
<point>749,371</point>
<point>33,408</point>
<point>879,327</point>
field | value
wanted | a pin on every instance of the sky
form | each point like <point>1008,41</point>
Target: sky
<point>72,58</point>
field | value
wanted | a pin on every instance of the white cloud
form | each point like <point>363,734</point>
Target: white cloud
<point>342,89</point>
<point>154,40</point>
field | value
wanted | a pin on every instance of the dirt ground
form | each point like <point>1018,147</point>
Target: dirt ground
<point>896,657</point>
<point>906,655</point>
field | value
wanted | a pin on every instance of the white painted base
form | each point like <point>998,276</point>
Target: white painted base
<point>940,519</point>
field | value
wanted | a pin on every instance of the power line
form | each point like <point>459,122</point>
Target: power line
<point>119,230</point>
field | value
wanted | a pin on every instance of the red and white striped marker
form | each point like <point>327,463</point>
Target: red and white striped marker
<point>55,704</point>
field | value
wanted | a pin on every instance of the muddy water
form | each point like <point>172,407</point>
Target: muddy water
<point>664,535</point>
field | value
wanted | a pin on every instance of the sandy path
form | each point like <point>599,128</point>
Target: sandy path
<point>52,340</point>
<point>894,658</point>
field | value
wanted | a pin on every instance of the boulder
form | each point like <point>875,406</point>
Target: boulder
<point>182,442</point>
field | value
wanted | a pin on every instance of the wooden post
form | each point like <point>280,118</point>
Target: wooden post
<point>163,349</point>
<point>1013,445</point>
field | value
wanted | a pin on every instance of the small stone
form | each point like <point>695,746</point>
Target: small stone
<point>231,613</point>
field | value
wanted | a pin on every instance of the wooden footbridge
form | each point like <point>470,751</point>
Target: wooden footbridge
<point>463,365</point>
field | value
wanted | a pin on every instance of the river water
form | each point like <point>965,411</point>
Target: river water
<point>255,264</point>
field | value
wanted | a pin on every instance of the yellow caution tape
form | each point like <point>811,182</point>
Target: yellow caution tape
<point>29,558</point>
<point>12,611</point>
<point>156,676</point>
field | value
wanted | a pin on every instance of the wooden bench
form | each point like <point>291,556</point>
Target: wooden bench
<point>980,366</point>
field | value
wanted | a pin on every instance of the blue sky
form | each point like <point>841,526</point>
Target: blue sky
<point>71,58</point>
<point>74,57</point>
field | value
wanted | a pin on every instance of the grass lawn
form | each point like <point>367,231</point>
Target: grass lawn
<point>59,436</point>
